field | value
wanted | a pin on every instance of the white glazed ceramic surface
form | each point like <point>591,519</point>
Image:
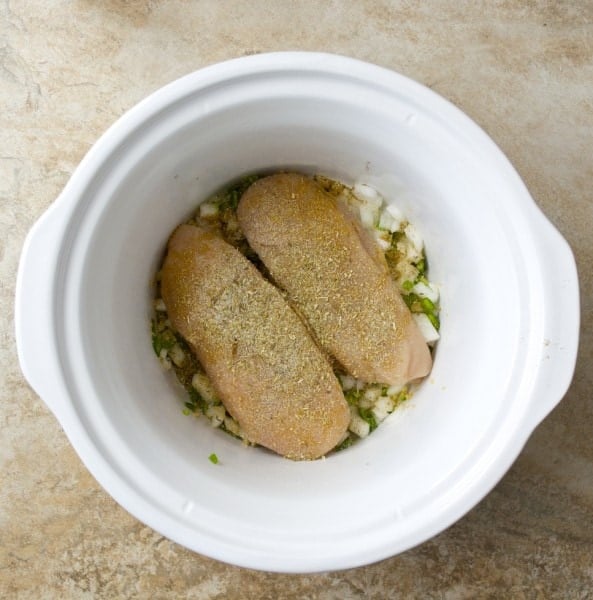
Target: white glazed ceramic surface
<point>509,312</point>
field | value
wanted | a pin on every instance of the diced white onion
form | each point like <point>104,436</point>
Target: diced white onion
<point>216,414</point>
<point>177,355</point>
<point>392,390</point>
<point>427,329</point>
<point>366,402</point>
<point>389,222</point>
<point>202,385</point>
<point>395,212</point>
<point>383,238</point>
<point>414,237</point>
<point>164,359</point>
<point>372,394</point>
<point>360,385</point>
<point>383,407</point>
<point>347,381</point>
<point>368,215</point>
<point>208,209</point>
<point>386,221</point>
<point>426,291</point>
<point>409,250</point>
<point>358,425</point>
<point>408,272</point>
<point>159,305</point>
<point>232,426</point>
<point>368,194</point>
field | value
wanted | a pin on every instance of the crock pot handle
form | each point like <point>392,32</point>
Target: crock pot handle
<point>34,318</point>
<point>562,321</point>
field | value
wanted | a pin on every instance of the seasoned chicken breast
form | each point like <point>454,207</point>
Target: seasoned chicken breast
<point>335,277</point>
<point>264,365</point>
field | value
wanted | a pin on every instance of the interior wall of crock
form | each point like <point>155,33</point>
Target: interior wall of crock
<point>140,401</point>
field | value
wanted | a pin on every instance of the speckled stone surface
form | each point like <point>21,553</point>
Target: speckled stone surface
<point>522,69</point>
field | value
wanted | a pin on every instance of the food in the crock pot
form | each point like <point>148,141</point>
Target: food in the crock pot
<point>382,224</point>
<point>258,355</point>
<point>336,276</point>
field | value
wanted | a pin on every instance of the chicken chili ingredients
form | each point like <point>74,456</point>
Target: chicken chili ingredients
<point>338,235</point>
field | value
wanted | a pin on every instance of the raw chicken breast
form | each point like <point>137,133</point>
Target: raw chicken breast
<point>335,277</point>
<point>264,365</point>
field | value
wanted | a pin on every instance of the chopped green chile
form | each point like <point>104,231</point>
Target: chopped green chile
<point>427,305</point>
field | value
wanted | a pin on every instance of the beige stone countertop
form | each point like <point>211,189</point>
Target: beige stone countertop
<point>523,70</point>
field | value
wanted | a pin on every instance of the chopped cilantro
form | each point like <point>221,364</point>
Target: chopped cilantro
<point>195,400</point>
<point>413,302</point>
<point>396,236</point>
<point>229,199</point>
<point>421,265</point>
<point>161,339</point>
<point>345,444</point>
<point>401,397</point>
<point>213,459</point>
<point>353,396</point>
